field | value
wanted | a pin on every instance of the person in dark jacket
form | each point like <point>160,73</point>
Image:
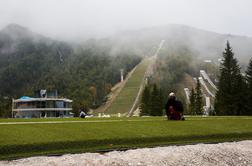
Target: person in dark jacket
<point>82,113</point>
<point>174,108</point>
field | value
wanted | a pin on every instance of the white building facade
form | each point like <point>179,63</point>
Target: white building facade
<point>41,107</point>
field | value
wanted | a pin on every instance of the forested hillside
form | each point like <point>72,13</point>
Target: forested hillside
<point>173,65</point>
<point>84,73</point>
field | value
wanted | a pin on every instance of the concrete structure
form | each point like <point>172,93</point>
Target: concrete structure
<point>187,93</point>
<point>40,107</point>
<point>207,106</point>
<point>122,78</point>
<point>206,77</point>
<point>204,85</point>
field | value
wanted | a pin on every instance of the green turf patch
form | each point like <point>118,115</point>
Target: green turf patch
<point>127,96</point>
<point>22,140</point>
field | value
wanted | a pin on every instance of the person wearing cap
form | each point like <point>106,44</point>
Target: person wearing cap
<point>174,108</point>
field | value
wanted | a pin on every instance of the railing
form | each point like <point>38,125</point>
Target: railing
<point>42,109</point>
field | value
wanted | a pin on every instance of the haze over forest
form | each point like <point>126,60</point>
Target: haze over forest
<point>134,21</point>
<point>75,46</point>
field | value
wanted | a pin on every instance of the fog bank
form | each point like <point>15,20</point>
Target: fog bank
<point>78,19</point>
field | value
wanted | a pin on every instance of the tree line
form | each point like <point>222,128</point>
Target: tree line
<point>151,101</point>
<point>234,93</point>
<point>168,72</point>
<point>83,74</point>
<point>196,100</point>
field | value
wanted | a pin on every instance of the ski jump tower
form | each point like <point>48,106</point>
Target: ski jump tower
<point>121,75</point>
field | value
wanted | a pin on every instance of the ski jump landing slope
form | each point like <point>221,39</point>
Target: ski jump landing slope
<point>125,100</point>
<point>128,98</point>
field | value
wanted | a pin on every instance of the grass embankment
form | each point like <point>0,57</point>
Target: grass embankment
<point>20,140</point>
<point>127,96</point>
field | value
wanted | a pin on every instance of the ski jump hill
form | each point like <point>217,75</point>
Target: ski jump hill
<point>127,96</point>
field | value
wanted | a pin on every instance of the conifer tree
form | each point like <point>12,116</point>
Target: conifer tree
<point>198,99</point>
<point>241,101</point>
<point>227,100</point>
<point>249,87</point>
<point>192,102</point>
<point>145,110</point>
<point>156,106</point>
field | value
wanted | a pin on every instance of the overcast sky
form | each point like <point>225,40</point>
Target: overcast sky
<point>76,18</point>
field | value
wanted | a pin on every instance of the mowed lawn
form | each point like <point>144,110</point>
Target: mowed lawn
<point>97,134</point>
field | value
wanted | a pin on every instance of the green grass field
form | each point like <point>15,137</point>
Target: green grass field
<point>126,98</point>
<point>95,134</point>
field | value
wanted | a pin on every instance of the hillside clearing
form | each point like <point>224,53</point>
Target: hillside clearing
<point>125,99</point>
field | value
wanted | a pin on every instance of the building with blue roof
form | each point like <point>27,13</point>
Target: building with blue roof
<point>42,106</point>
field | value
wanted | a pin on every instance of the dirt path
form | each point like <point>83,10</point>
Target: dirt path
<point>79,121</point>
<point>234,153</point>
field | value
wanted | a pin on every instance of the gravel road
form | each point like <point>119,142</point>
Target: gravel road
<point>233,153</point>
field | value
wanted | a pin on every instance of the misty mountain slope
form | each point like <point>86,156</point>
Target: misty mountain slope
<point>29,61</point>
<point>83,73</point>
<point>25,57</point>
<point>13,35</point>
<point>17,42</point>
<point>204,44</point>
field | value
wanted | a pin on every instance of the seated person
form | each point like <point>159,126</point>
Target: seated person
<point>174,108</point>
<point>82,114</point>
